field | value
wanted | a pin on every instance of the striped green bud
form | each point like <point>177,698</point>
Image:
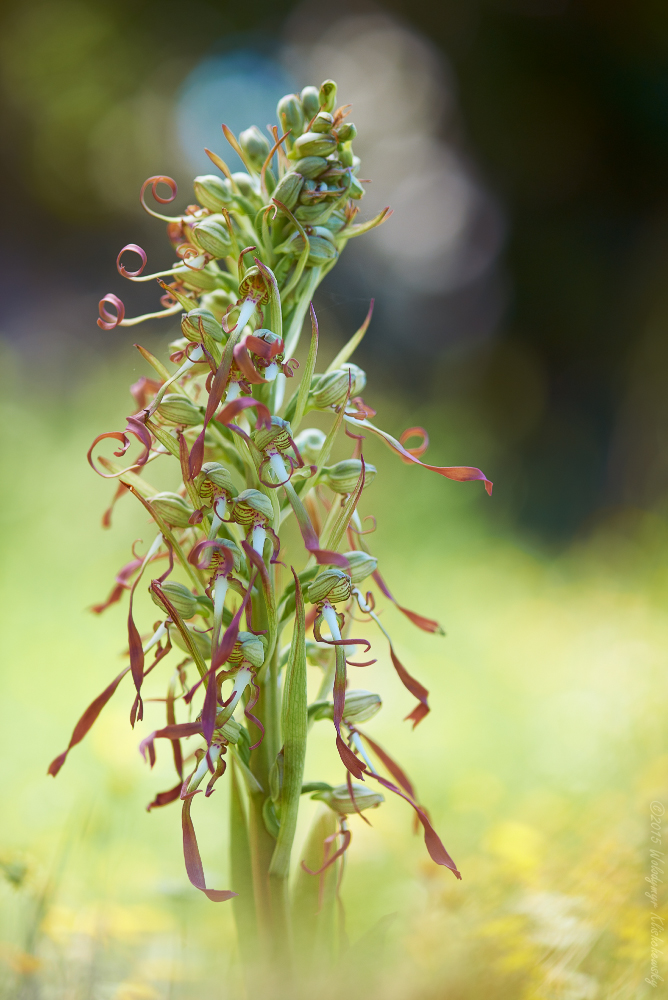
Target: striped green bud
<point>212,192</point>
<point>332,585</point>
<point>361,565</point>
<point>344,476</point>
<point>310,99</point>
<point>346,133</point>
<point>290,114</point>
<point>327,95</point>
<point>331,389</point>
<point>183,600</point>
<point>212,236</point>
<point>323,122</point>
<point>178,409</point>
<point>311,166</point>
<point>288,188</point>
<point>309,442</point>
<point>250,506</point>
<point>255,145</point>
<point>314,215</point>
<point>340,801</point>
<point>360,706</point>
<point>190,325</point>
<point>356,189</point>
<point>314,144</point>
<point>200,640</point>
<point>172,508</point>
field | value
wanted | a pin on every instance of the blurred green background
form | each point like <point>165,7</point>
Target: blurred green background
<point>521,318</point>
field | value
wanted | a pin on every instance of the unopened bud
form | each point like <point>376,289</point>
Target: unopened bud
<point>313,215</point>
<point>255,145</point>
<point>245,184</point>
<point>344,476</point>
<point>200,640</point>
<point>230,731</point>
<point>278,435</point>
<point>250,506</point>
<point>288,188</point>
<point>178,595</point>
<point>178,409</point>
<point>311,166</point>
<point>356,189</point>
<point>340,800</point>
<point>212,236</point>
<point>361,706</point>
<point>212,192</point>
<point>332,585</point>
<point>345,153</point>
<point>193,322</point>
<point>290,114</point>
<point>361,565</point>
<point>314,144</point>
<point>172,508</point>
<point>327,95</point>
<point>323,122</point>
<point>310,99</point>
<point>310,442</point>
<point>346,132</point>
<point>331,389</point>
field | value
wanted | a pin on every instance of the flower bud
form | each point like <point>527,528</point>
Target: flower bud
<point>361,565</point>
<point>230,730</point>
<point>255,145</point>
<point>290,114</point>
<point>190,325</point>
<point>173,509</point>
<point>314,215</point>
<point>343,477</point>
<point>245,184</point>
<point>213,237</point>
<point>361,706</point>
<point>322,251</point>
<point>249,647</point>
<point>356,189</point>
<point>176,408</point>
<point>332,585</point>
<point>288,188</point>
<point>345,153</point>
<point>212,192</point>
<point>323,122</point>
<point>310,99</point>
<point>200,640</point>
<point>346,132</point>
<point>185,602</point>
<point>340,801</point>
<point>311,166</point>
<point>327,95</point>
<point>278,435</point>
<point>314,144</point>
<point>331,389</point>
<point>250,506</point>
<point>309,442</point>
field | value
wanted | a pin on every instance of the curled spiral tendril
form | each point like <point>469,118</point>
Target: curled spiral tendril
<point>107,320</point>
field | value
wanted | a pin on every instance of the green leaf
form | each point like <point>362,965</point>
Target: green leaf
<point>307,377</point>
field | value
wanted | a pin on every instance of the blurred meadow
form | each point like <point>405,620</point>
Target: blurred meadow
<point>521,319</point>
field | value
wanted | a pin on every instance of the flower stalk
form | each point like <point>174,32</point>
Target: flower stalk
<point>251,255</point>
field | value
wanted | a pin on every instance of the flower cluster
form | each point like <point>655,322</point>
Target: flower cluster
<point>251,252</point>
